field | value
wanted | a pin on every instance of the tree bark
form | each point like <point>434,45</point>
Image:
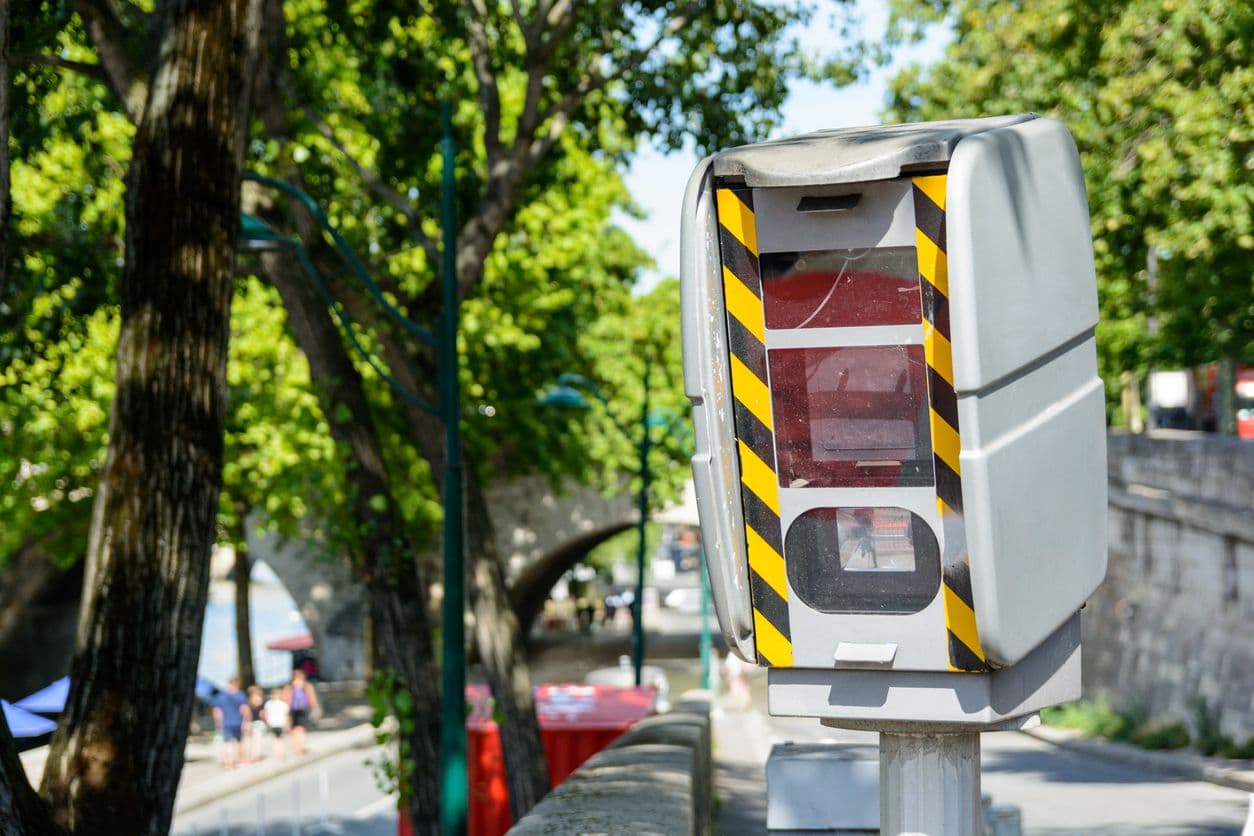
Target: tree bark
<point>243,612</point>
<point>116,759</point>
<point>395,588</point>
<point>22,811</point>
<point>6,199</point>
<point>504,656</point>
<point>28,574</point>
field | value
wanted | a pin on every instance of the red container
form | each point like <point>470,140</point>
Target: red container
<point>576,722</point>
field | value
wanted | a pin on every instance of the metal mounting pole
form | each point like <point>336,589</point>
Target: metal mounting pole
<point>637,606</point>
<point>453,793</point>
<point>930,783</point>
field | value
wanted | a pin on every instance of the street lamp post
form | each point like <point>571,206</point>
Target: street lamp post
<point>453,801</point>
<point>255,235</point>
<point>637,611</point>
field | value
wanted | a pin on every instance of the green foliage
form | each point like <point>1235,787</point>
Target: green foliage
<point>392,715</point>
<point>1209,737</point>
<point>1160,99</point>
<point>280,467</point>
<point>1095,718</point>
<point>1162,736</point>
<point>366,79</point>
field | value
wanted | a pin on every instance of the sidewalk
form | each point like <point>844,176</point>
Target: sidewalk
<point>205,781</point>
<point>345,725</point>
<point>1179,763</point>
<point>743,736</point>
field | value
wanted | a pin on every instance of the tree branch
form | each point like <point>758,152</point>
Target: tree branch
<point>489,95</point>
<point>594,80</point>
<point>379,187</point>
<point>81,67</point>
<point>108,33</point>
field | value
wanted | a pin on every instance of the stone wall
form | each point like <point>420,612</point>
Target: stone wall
<point>1174,621</point>
<point>655,779</point>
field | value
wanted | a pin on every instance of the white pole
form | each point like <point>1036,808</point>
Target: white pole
<point>222,831</point>
<point>324,792</point>
<point>296,807</point>
<point>261,815</point>
<point>930,783</point>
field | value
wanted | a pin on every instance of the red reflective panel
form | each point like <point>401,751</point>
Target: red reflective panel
<point>837,288</point>
<point>853,416</point>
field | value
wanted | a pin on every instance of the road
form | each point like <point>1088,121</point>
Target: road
<point>1060,791</point>
<point>337,794</point>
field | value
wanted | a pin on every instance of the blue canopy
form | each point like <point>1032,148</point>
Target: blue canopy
<point>50,700</point>
<point>23,723</point>
<point>205,689</point>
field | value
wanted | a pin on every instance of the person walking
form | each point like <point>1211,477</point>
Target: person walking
<point>278,718</point>
<point>230,712</point>
<point>302,699</point>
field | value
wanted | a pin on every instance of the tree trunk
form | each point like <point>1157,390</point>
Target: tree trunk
<point>395,588</point>
<point>499,642</point>
<point>395,593</point>
<point>28,574</point>
<point>6,199</point>
<point>22,811</point>
<point>497,636</point>
<point>243,612</point>
<point>1225,395</point>
<point>116,758</point>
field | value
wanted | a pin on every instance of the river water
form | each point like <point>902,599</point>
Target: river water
<point>274,616</point>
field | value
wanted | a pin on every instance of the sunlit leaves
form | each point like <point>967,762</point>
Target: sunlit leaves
<point>1160,99</point>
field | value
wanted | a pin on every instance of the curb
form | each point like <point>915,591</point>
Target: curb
<point>1179,764</point>
<point>205,793</point>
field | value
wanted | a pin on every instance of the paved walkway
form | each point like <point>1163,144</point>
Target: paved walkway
<point>345,725</point>
<point>1115,788</point>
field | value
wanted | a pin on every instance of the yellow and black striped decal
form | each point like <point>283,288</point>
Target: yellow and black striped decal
<point>965,653</point>
<point>755,437</point>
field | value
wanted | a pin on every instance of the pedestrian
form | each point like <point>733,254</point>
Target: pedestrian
<point>230,712</point>
<point>278,718</point>
<point>255,731</point>
<point>302,699</point>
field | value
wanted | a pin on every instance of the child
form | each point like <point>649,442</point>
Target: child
<point>256,729</point>
<point>277,716</point>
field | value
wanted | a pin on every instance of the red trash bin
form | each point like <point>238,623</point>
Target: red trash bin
<point>576,722</point>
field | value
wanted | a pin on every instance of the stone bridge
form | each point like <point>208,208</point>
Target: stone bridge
<point>540,532</point>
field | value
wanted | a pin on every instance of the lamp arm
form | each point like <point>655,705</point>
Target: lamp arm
<point>346,326</point>
<point>346,252</point>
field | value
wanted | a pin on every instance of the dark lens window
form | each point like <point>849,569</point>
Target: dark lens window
<point>883,560</point>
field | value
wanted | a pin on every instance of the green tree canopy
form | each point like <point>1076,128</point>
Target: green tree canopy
<point>1160,98</point>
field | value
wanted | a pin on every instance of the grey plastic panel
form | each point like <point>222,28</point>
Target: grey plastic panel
<point>1021,279</point>
<point>920,636</point>
<point>883,217</point>
<point>707,382</point>
<point>852,155</point>
<point>1034,560</point>
<point>1023,305</point>
<point>933,701</point>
